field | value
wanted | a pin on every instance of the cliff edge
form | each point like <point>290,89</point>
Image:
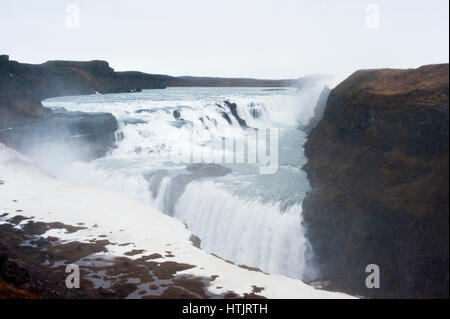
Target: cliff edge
<point>24,122</point>
<point>378,165</point>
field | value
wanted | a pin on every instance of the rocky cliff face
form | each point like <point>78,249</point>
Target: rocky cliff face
<point>81,136</point>
<point>378,165</point>
<point>59,78</point>
<point>24,121</point>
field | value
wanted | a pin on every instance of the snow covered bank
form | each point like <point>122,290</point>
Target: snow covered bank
<point>129,226</point>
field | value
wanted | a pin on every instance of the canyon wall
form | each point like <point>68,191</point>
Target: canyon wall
<point>24,122</point>
<point>378,166</point>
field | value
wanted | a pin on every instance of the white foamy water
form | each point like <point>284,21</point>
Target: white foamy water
<point>245,217</point>
<point>251,233</point>
<point>127,224</point>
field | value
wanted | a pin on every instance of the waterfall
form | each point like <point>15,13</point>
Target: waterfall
<point>246,232</point>
<point>239,215</point>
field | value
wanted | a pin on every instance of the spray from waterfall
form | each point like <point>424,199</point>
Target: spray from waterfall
<point>238,214</point>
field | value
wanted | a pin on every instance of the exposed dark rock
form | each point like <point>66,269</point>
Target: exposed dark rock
<point>226,117</point>
<point>59,78</point>
<point>145,111</point>
<point>176,114</point>
<point>42,277</point>
<point>87,135</point>
<point>24,86</point>
<point>195,241</point>
<point>132,121</point>
<point>12,271</point>
<point>233,110</point>
<point>119,136</point>
<point>4,58</point>
<point>15,272</point>
<point>378,166</point>
<point>254,111</point>
<point>25,122</point>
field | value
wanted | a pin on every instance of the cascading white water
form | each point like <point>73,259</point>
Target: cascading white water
<point>247,232</point>
<point>242,216</point>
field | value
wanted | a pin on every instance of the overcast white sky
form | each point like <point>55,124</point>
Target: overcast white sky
<point>232,38</point>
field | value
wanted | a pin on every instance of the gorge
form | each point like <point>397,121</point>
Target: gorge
<point>374,184</point>
<point>378,166</point>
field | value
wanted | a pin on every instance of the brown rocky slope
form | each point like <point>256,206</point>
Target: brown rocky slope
<point>378,165</point>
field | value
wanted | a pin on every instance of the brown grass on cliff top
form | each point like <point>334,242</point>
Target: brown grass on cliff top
<point>397,81</point>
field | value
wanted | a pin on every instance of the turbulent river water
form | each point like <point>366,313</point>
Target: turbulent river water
<point>238,213</point>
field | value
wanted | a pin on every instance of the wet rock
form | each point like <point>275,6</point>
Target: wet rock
<point>4,58</point>
<point>24,121</point>
<point>233,110</point>
<point>176,114</point>
<point>132,121</point>
<point>195,241</point>
<point>226,117</point>
<point>254,111</point>
<point>145,111</point>
<point>84,135</point>
<point>378,167</point>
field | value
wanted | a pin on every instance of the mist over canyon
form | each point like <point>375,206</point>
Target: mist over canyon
<point>361,178</point>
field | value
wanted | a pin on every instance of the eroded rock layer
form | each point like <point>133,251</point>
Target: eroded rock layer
<point>378,166</point>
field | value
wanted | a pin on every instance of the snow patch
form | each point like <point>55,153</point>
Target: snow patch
<point>121,220</point>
